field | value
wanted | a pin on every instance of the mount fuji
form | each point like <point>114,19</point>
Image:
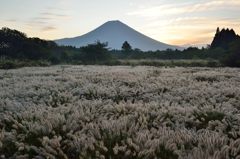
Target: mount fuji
<point>115,33</point>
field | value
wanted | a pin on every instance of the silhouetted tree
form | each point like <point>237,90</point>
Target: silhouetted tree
<point>218,30</point>
<point>126,47</point>
<point>95,53</point>
<point>223,38</point>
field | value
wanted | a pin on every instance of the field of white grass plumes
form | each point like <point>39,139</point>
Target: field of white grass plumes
<point>72,112</point>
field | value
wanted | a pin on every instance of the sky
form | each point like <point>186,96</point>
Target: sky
<point>178,22</point>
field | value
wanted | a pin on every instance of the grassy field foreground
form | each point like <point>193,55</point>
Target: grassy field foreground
<point>72,112</point>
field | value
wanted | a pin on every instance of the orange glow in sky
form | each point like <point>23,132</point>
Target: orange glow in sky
<point>179,23</point>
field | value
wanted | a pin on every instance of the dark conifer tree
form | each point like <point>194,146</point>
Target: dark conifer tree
<point>223,38</point>
<point>126,47</point>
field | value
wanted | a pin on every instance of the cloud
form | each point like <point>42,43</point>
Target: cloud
<point>48,28</point>
<point>53,15</point>
<point>11,20</point>
<point>50,16</point>
<point>47,20</point>
<point>191,22</point>
<point>182,30</point>
<point>156,11</point>
<point>174,9</point>
<point>213,5</point>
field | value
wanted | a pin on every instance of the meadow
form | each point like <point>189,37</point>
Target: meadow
<point>115,112</point>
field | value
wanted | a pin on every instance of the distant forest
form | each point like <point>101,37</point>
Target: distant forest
<point>17,50</point>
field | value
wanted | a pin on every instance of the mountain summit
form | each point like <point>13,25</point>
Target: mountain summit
<point>115,33</point>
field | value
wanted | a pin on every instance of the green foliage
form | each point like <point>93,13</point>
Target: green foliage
<point>95,53</point>
<point>171,63</point>
<point>232,59</point>
<point>18,45</point>
<point>13,64</point>
<point>189,53</point>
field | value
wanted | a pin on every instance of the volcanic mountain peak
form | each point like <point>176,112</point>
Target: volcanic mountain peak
<point>115,33</point>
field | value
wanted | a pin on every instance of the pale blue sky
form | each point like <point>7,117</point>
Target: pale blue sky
<point>176,22</point>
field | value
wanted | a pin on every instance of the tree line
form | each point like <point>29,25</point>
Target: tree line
<point>17,46</point>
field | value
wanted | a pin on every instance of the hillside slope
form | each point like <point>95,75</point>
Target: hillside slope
<point>115,33</point>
